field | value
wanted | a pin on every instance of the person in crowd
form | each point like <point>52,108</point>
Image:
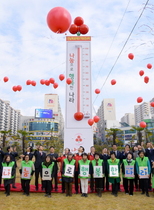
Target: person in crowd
<point>141,147</point>
<point>48,163</point>
<point>84,171</point>
<point>1,160</point>
<point>135,152</point>
<point>104,156</point>
<point>13,153</point>
<point>152,171</point>
<point>136,179</point>
<point>128,180</point>
<point>68,174</point>
<point>39,158</point>
<point>54,158</point>
<point>98,180</point>
<point>77,157</point>
<point>143,161</point>
<point>113,168</point>
<point>7,162</point>
<point>91,157</point>
<point>25,176</point>
<point>149,152</point>
<point>29,151</point>
<point>125,152</point>
<point>61,160</point>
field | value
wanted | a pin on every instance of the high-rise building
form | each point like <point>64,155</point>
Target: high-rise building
<point>9,117</point>
<point>128,118</point>
<point>142,112</point>
<point>152,109</point>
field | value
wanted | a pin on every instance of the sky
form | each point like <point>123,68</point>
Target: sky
<point>30,50</point>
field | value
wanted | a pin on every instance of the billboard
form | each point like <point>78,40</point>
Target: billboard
<point>43,113</point>
<point>51,102</point>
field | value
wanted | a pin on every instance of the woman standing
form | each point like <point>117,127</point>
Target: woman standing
<point>26,173</point>
<point>84,173</point>
<point>113,168</point>
<point>7,181</point>
<point>48,164</point>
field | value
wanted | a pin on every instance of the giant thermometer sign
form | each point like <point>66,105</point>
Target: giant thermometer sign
<point>78,93</point>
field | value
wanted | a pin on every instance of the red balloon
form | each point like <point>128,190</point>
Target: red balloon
<point>96,119</point>
<point>59,20</point>
<point>146,79</point>
<point>141,73</point>
<point>14,88</point>
<point>19,88</point>
<point>52,80</point>
<point>83,29</point>
<point>42,81</point>
<point>78,116</point>
<point>131,56</point>
<point>152,104</point>
<point>97,91</point>
<point>73,29</point>
<point>113,82</point>
<point>28,82</point>
<point>78,21</point>
<point>143,124</point>
<point>68,81</point>
<point>139,99</point>
<point>61,77</point>
<point>55,85</point>
<point>47,82</point>
<point>33,83</point>
<point>149,66</point>
<point>6,79</point>
<point>90,122</point>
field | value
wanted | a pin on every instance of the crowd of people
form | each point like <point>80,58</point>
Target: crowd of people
<point>135,168</point>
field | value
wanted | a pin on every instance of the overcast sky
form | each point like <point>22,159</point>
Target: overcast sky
<point>29,50</point>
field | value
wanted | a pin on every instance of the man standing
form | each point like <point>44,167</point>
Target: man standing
<point>13,154</point>
<point>77,157</point>
<point>1,160</point>
<point>54,158</point>
<point>91,156</point>
<point>39,158</point>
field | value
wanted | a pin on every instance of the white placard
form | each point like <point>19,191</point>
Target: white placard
<point>113,171</point>
<point>6,174</point>
<point>46,173</point>
<point>143,172</point>
<point>98,172</point>
<point>69,170</point>
<point>84,170</point>
<point>129,171</point>
<point>26,173</point>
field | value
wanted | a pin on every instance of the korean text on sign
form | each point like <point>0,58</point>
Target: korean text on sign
<point>84,171</point>
<point>143,172</point>
<point>46,174</point>
<point>69,170</point>
<point>113,171</point>
<point>129,171</point>
<point>26,173</point>
<point>98,172</point>
<point>6,174</point>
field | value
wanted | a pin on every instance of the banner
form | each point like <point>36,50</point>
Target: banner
<point>69,170</point>
<point>6,174</point>
<point>84,170</point>
<point>98,172</point>
<point>129,171</point>
<point>26,173</point>
<point>113,171</point>
<point>46,173</point>
<point>143,172</point>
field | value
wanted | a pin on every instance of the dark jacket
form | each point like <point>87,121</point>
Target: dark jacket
<point>105,158</point>
<point>13,156</point>
<point>55,155</point>
<point>1,156</point>
<point>118,155</point>
<point>30,155</point>
<point>150,154</point>
<point>39,158</point>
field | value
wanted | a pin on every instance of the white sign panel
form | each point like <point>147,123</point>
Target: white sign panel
<point>6,174</point>
<point>113,171</point>
<point>26,173</point>
<point>78,93</point>
<point>143,172</point>
<point>46,173</point>
<point>69,170</point>
<point>84,170</point>
<point>98,172</point>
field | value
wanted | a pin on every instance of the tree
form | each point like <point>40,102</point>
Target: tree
<point>139,133</point>
<point>148,133</point>
<point>24,134</point>
<point>113,132</point>
<point>5,134</point>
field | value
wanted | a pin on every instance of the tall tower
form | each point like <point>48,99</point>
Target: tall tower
<point>77,131</point>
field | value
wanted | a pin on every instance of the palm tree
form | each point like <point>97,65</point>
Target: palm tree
<point>5,133</point>
<point>148,133</point>
<point>113,132</point>
<point>24,134</point>
<point>139,133</point>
